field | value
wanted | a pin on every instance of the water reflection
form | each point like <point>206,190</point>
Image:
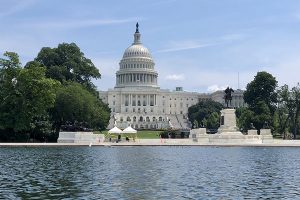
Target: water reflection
<point>149,173</point>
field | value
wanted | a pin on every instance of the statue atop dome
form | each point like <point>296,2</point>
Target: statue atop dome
<point>137,27</point>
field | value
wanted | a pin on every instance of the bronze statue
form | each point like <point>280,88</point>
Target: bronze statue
<point>137,27</point>
<point>228,96</point>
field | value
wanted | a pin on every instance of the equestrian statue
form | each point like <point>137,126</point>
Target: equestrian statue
<point>228,96</point>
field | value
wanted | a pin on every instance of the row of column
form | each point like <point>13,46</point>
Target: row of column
<point>136,78</point>
<point>129,98</point>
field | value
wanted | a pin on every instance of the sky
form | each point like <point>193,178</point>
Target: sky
<point>200,45</point>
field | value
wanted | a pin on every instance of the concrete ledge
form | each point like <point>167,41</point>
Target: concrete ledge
<point>159,142</point>
<point>80,137</point>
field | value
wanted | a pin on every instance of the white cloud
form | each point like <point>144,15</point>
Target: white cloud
<point>70,24</point>
<point>215,87</point>
<point>185,45</point>
<point>197,43</point>
<point>175,77</point>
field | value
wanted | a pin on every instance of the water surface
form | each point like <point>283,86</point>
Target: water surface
<point>149,173</point>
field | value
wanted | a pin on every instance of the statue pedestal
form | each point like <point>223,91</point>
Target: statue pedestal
<point>266,135</point>
<point>198,134</point>
<point>252,132</point>
<point>228,123</point>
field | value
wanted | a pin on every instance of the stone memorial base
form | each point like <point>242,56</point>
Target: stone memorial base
<point>252,132</point>
<point>80,137</point>
<point>266,135</point>
<point>198,134</point>
<point>228,123</point>
<point>229,134</point>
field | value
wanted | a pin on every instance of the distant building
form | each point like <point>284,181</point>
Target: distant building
<point>137,99</point>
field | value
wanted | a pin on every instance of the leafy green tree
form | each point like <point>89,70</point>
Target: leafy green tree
<point>74,104</point>
<point>25,93</point>
<point>204,110</point>
<point>261,97</point>
<point>244,118</point>
<point>68,63</point>
<point>295,109</point>
<point>262,88</point>
<point>288,110</point>
<point>213,121</point>
<point>262,115</point>
<point>284,109</point>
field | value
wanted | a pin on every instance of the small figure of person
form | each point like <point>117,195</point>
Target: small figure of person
<point>127,138</point>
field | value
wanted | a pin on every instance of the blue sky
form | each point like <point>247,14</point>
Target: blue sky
<point>201,45</point>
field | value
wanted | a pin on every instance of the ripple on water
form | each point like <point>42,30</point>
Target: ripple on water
<point>149,173</point>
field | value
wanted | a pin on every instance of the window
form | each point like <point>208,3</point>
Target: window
<point>134,118</point>
<point>128,119</point>
<point>151,100</point>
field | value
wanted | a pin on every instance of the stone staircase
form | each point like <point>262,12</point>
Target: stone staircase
<point>173,122</point>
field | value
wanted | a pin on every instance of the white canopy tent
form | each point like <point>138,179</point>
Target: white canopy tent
<point>129,129</point>
<point>115,130</point>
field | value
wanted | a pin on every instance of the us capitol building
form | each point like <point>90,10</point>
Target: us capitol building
<point>137,99</point>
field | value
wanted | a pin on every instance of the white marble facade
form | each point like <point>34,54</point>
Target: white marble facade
<point>138,100</point>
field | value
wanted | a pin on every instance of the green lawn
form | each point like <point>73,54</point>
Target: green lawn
<point>143,134</point>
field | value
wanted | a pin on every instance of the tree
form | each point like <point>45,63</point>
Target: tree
<point>74,104</point>
<point>25,93</point>
<point>288,109</point>
<point>244,118</point>
<point>68,63</point>
<point>261,97</point>
<point>295,105</point>
<point>207,111</point>
<point>262,88</point>
<point>284,104</point>
<point>213,121</point>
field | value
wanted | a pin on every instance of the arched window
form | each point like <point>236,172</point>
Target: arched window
<point>141,119</point>
<point>121,119</point>
<point>134,118</point>
<point>160,119</point>
<point>128,119</point>
<point>147,119</point>
<point>154,119</point>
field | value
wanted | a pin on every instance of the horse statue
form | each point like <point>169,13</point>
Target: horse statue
<point>228,96</point>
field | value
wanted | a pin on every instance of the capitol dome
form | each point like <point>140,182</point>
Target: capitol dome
<point>137,50</point>
<point>136,66</point>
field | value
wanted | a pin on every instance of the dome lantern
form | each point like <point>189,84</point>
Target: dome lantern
<point>137,35</point>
